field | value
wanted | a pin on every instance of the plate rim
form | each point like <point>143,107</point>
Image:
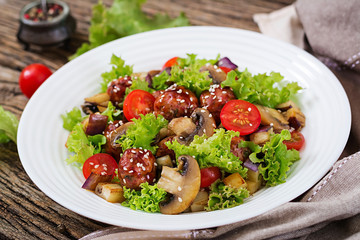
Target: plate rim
<point>144,34</point>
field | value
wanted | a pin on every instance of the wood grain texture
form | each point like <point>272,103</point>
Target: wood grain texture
<point>26,212</point>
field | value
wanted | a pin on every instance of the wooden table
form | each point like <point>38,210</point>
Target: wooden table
<point>26,212</point>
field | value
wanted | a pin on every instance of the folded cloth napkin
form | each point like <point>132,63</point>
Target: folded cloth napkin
<point>330,209</point>
<point>331,28</point>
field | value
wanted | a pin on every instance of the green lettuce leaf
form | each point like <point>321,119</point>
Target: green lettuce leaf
<point>159,81</point>
<point>267,90</point>
<point>123,18</point>
<point>8,126</point>
<point>111,112</point>
<point>274,158</point>
<point>212,151</point>
<point>82,146</point>
<point>119,69</point>
<point>143,132</point>
<point>70,119</point>
<point>187,73</point>
<point>147,199</point>
<point>222,196</point>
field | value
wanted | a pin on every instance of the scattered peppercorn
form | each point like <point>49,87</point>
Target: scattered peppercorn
<point>37,14</point>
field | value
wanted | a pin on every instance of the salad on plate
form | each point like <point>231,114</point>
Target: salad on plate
<point>195,135</point>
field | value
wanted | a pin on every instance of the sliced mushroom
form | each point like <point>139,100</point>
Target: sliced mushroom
<point>182,126</point>
<point>272,117</point>
<point>205,124</point>
<point>182,182</point>
<point>117,133</point>
<point>96,103</point>
<point>216,74</point>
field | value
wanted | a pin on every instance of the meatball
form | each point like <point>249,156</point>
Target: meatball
<point>109,147</point>
<point>116,89</point>
<point>241,152</point>
<point>136,166</point>
<point>176,101</point>
<point>215,98</point>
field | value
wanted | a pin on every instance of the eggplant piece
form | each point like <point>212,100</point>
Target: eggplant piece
<point>292,114</point>
<point>97,102</point>
<point>235,181</point>
<point>94,179</point>
<point>96,124</point>
<point>111,192</point>
<point>272,117</point>
<point>200,202</point>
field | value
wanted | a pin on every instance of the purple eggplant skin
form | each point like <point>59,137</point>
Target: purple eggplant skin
<point>93,180</point>
<point>226,62</point>
<point>97,124</point>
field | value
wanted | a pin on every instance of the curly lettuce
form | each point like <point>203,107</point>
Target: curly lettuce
<point>222,196</point>
<point>267,90</point>
<point>123,18</point>
<point>147,199</point>
<point>82,146</point>
<point>8,126</point>
<point>212,151</point>
<point>71,118</point>
<point>143,132</point>
<point>274,158</point>
<point>119,69</point>
<point>187,73</point>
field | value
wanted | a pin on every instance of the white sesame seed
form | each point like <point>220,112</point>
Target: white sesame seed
<point>125,168</point>
<point>124,180</point>
<point>91,163</point>
<point>179,188</point>
<point>131,160</point>
<point>96,166</point>
<point>131,171</point>
<point>180,199</point>
<point>249,109</point>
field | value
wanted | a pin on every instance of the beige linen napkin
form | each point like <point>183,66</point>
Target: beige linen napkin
<point>330,209</point>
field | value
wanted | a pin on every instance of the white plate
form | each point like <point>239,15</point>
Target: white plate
<point>41,137</point>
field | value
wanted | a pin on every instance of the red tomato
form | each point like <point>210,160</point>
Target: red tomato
<point>100,163</point>
<point>296,142</point>
<point>138,102</point>
<point>225,69</point>
<point>31,77</point>
<point>241,116</point>
<point>170,62</point>
<point>209,175</point>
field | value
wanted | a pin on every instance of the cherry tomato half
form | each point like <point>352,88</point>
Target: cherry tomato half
<point>170,62</point>
<point>209,175</point>
<point>31,77</point>
<point>100,163</point>
<point>296,142</point>
<point>225,69</point>
<point>138,102</point>
<point>241,116</point>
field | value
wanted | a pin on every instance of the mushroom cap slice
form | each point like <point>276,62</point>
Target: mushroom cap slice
<point>182,182</point>
<point>205,124</point>
<point>116,134</point>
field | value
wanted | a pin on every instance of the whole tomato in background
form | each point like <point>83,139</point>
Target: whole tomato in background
<point>31,77</point>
